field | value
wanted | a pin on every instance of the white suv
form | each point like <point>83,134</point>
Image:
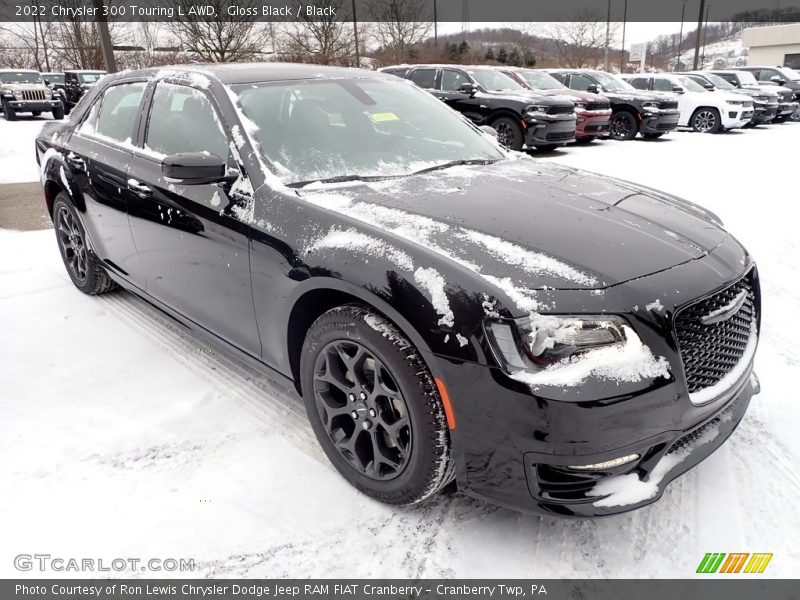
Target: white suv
<point>703,111</point>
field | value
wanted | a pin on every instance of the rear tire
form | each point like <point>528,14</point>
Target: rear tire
<point>9,113</point>
<point>706,120</point>
<point>374,406</point>
<point>509,133</point>
<point>83,267</point>
<point>624,126</point>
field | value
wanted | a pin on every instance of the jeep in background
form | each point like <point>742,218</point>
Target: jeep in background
<point>634,111</point>
<point>765,100</point>
<point>25,91</point>
<point>593,111</point>
<point>747,80</point>
<point>488,97</point>
<point>76,84</point>
<point>781,76</point>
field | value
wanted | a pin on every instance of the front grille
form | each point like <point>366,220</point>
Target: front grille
<point>666,126</point>
<point>560,110</point>
<point>33,95</point>
<point>710,351</point>
<point>668,105</point>
<point>560,135</point>
<point>598,106</point>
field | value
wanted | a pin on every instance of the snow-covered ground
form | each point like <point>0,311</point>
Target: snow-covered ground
<point>121,436</point>
<point>17,148</point>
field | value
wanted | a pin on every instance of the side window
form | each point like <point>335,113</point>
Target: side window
<point>640,83</point>
<point>452,80</point>
<point>182,119</point>
<point>562,77</point>
<point>424,78</point>
<point>661,84</point>
<point>580,82</point>
<point>768,74</point>
<point>114,114</point>
<point>70,78</point>
<point>730,78</point>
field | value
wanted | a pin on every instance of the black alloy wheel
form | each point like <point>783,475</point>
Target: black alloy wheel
<point>363,409</point>
<point>509,133</point>
<point>83,267</point>
<point>623,126</point>
<point>374,406</point>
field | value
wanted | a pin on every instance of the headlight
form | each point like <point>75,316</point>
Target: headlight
<point>535,343</point>
<point>650,105</point>
<point>48,93</point>
<point>536,110</point>
<point>18,94</point>
<point>580,105</point>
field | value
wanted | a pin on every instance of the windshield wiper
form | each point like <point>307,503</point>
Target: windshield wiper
<point>458,163</point>
<point>339,179</point>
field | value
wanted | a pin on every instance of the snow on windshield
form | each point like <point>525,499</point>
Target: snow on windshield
<point>326,129</point>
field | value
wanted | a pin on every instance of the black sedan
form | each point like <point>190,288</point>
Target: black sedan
<point>551,340</point>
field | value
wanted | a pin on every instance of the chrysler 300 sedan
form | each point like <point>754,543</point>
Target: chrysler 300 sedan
<point>548,339</point>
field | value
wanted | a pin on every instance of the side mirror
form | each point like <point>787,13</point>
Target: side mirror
<point>490,130</point>
<point>593,88</point>
<point>47,82</point>
<point>467,88</point>
<point>778,80</point>
<point>678,89</point>
<point>192,168</point>
<point>710,87</point>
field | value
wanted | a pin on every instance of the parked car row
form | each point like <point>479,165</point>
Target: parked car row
<point>34,92</point>
<point>531,107</point>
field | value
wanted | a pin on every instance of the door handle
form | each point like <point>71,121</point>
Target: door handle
<point>139,189</point>
<point>76,162</point>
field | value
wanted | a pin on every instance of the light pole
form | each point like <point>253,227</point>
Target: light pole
<point>608,35</point>
<point>624,23</point>
<point>680,37</point>
<point>105,38</point>
<point>355,33</point>
<point>699,33</point>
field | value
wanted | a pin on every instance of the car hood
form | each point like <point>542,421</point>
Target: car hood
<point>529,96</point>
<point>508,216</point>
<point>11,87</point>
<point>574,95</point>
<point>640,95</point>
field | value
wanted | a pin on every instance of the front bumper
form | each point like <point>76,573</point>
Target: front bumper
<point>733,118</point>
<point>549,130</point>
<point>593,123</point>
<point>660,121</point>
<point>514,444</point>
<point>764,113</point>
<point>29,105</point>
<point>787,108</point>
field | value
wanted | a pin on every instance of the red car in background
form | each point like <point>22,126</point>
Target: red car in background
<point>593,110</point>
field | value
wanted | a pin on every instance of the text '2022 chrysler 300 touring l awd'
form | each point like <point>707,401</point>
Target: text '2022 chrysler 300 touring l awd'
<point>551,340</point>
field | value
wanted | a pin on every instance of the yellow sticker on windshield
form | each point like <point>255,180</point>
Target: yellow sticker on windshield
<point>383,117</point>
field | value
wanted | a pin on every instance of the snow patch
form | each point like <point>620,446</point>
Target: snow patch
<point>655,306</point>
<point>356,241</point>
<point>434,283</point>
<point>707,394</point>
<point>462,341</point>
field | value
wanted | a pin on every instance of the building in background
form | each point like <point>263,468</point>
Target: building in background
<point>778,45</point>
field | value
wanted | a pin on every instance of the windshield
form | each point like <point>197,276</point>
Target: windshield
<point>21,77</point>
<point>689,84</point>
<point>718,82</point>
<point>789,74</point>
<point>89,77</point>
<point>611,83</point>
<point>352,128</point>
<point>54,77</point>
<point>495,81</point>
<point>539,80</point>
<point>747,79</point>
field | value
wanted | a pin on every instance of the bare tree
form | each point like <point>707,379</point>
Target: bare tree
<point>219,38</point>
<point>154,44</point>
<point>581,43</point>
<point>400,25</point>
<point>324,40</point>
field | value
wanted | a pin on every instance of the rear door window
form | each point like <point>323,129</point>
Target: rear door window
<point>640,83</point>
<point>424,78</point>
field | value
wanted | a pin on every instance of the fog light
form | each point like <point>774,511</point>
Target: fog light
<point>609,464</point>
<point>732,114</point>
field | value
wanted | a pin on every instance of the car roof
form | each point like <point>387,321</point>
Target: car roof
<point>18,71</point>
<point>83,71</point>
<point>237,73</point>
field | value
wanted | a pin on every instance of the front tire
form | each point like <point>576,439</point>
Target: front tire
<point>9,113</point>
<point>83,267</point>
<point>58,113</point>
<point>624,126</point>
<point>509,133</point>
<point>374,406</point>
<point>706,120</point>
